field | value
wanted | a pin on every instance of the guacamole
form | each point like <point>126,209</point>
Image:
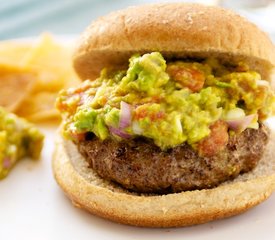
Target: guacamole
<point>18,139</point>
<point>168,102</point>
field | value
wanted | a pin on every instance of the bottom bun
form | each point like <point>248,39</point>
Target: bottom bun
<point>106,199</point>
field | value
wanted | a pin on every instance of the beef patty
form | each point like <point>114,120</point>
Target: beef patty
<point>141,166</point>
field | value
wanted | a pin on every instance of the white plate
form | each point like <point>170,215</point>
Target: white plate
<point>33,207</point>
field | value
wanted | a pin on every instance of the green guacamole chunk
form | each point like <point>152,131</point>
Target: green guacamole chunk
<point>168,102</point>
<point>18,139</point>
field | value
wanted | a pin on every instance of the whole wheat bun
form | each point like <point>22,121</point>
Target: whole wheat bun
<point>101,197</point>
<point>176,30</point>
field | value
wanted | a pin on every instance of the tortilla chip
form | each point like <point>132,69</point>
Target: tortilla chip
<point>12,53</point>
<point>53,63</point>
<point>15,86</point>
<point>32,74</point>
<point>48,115</point>
<point>36,103</point>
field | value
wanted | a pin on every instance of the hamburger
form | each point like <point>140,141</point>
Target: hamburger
<point>168,129</point>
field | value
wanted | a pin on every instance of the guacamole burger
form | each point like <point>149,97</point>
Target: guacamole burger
<point>169,129</point>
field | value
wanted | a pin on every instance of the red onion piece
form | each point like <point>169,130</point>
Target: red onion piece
<point>119,132</point>
<point>125,115</point>
<point>6,163</point>
<point>240,124</point>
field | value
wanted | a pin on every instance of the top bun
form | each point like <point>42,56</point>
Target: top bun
<point>176,30</point>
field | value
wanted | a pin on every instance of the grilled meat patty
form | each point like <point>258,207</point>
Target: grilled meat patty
<point>141,166</point>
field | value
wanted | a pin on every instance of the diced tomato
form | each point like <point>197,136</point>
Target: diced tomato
<point>154,116</point>
<point>65,103</point>
<point>262,98</point>
<point>60,105</point>
<point>187,77</point>
<point>82,88</point>
<point>143,113</point>
<point>242,68</point>
<point>140,113</point>
<point>78,136</point>
<point>156,99</point>
<point>245,86</point>
<point>216,141</point>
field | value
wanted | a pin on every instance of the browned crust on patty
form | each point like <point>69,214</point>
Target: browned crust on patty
<point>141,166</point>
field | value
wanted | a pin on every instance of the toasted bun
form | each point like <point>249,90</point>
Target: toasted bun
<point>175,29</point>
<point>88,191</point>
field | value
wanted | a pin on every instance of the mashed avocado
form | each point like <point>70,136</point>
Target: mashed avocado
<point>168,102</point>
<point>18,139</point>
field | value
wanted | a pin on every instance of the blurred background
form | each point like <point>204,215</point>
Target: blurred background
<point>24,18</point>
